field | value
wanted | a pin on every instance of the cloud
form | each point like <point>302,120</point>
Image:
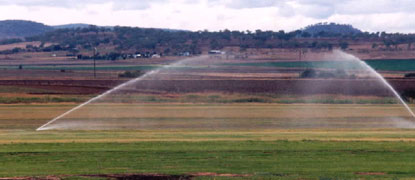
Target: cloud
<point>288,8</point>
<point>375,6</point>
<point>318,11</point>
<point>240,4</point>
<point>369,15</point>
<point>327,8</point>
<point>50,3</point>
<point>117,5</point>
<point>243,4</point>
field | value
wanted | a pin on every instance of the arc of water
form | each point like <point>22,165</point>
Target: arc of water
<point>380,77</point>
<point>44,127</point>
<point>389,87</point>
<point>95,98</point>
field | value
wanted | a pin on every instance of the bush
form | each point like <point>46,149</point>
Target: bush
<point>251,100</point>
<point>309,73</point>
<point>408,95</point>
<point>131,74</point>
<point>410,75</point>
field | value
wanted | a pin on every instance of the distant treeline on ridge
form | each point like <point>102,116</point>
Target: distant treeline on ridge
<point>133,39</point>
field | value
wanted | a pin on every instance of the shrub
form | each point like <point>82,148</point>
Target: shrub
<point>250,100</point>
<point>410,75</point>
<point>131,74</point>
<point>309,73</point>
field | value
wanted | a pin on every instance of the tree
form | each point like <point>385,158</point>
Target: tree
<point>344,45</point>
<point>214,44</point>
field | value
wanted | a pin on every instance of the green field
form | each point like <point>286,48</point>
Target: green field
<point>257,159</point>
<point>381,65</point>
<point>254,153</point>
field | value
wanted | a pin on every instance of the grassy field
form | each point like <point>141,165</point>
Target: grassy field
<point>278,154</point>
<point>257,159</point>
<point>201,116</point>
<point>251,153</point>
<point>220,97</point>
<point>382,65</point>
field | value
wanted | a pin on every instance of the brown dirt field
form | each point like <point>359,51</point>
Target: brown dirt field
<point>143,176</point>
<point>279,86</point>
<point>18,45</point>
<point>370,173</point>
<point>15,74</point>
<point>220,175</point>
<point>39,58</point>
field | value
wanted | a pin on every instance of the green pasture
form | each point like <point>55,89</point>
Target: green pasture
<point>382,65</point>
<point>263,153</point>
<point>256,159</point>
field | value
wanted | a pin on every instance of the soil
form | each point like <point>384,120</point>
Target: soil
<point>277,86</point>
<point>370,173</point>
<point>146,176</point>
<point>221,175</point>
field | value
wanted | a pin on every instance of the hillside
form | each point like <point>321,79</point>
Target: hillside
<point>72,26</point>
<point>324,29</point>
<point>20,29</point>
<point>150,40</point>
<point>122,42</point>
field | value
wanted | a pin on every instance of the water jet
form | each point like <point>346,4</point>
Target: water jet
<point>99,112</point>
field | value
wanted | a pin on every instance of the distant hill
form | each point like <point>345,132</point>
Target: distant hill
<point>20,29</point>
<point>323,29</point>
<point>72,26</point>
<point>129,40</point>
<point>16,29</point>
<point>81,25</point>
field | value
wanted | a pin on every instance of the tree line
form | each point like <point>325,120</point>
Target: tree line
<point>131,39</point>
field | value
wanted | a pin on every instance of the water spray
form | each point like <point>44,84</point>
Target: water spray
<point>336,54</point>
<point>380,77</point>
<point>45,126</point>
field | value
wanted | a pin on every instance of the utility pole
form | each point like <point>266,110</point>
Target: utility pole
<point>95,55</point>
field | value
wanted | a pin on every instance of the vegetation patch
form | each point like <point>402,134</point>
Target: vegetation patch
<point>41,99</point>
<point>261,159</point>
<point>384,65</point>
<point>131,74</point>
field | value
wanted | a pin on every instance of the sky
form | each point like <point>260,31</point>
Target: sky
<point>214,15</point>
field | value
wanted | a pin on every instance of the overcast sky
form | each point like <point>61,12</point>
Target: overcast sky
<point>368,15</point>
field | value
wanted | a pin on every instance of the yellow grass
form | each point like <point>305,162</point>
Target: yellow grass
<point>119,136</point>
<point>243,110</point>
<point>18,123</point>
